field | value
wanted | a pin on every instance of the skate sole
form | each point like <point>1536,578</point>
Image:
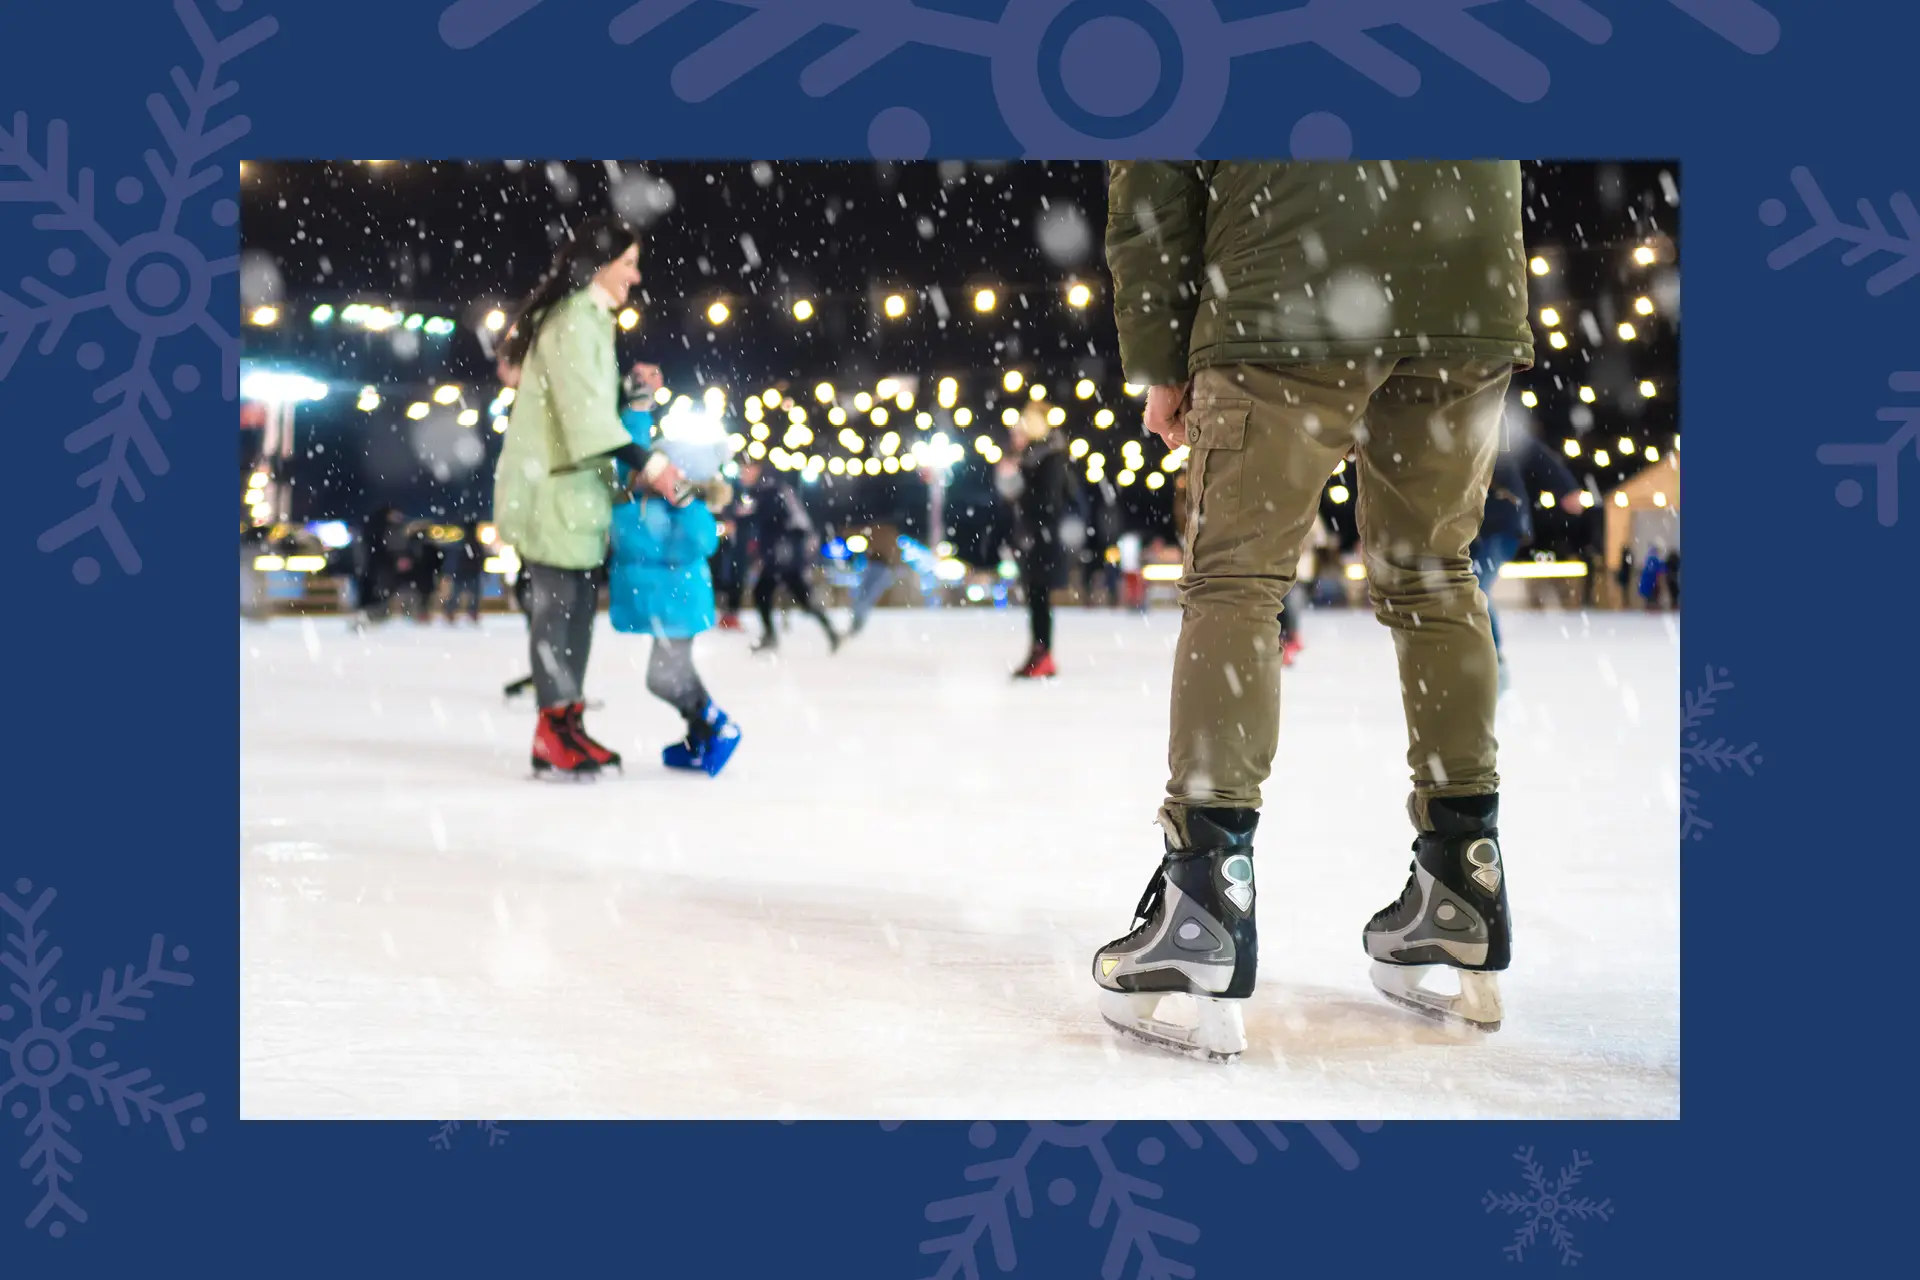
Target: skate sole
<point>1478,990</point>
<point>1184,1048</point>
<point>1218,1034</point>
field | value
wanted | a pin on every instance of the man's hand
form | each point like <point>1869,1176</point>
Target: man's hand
<point>1166,414</point>
<point>1571,504</point>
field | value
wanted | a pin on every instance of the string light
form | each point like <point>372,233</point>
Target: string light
<point>1079,295</point>
<point>717,314</point>
<point>1012,380</point>
<point>896,306</point>
<point>1549,317</point>
<point>984,300</point>
<point>802,309</point>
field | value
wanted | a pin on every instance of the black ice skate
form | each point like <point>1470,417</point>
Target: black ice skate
<point>1193,942</point>
<point>1451,915</point>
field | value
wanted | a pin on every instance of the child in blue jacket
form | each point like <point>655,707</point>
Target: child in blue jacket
<point>661,587</point>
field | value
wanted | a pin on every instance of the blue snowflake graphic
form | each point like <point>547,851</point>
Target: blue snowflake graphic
<point>1549,1206</point>
<point>489,1129</point>
<point>1869,238</point>
<point>51,1067</point>
<point>1139,1234</point>
<point>1718,756</point>
<point>156,284</point>
<point>1883,457</point>
<point>1092,78</point>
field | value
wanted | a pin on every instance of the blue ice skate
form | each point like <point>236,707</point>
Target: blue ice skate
<point>709,752</point>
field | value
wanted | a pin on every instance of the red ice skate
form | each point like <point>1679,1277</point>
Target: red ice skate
<point>555,750</point>
<point>1038,666</point>
<point>602,757</point>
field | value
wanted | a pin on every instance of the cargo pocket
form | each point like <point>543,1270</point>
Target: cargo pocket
<point>1217,436</point>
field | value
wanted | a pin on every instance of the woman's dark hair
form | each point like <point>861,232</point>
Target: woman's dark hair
<point>587,248</point>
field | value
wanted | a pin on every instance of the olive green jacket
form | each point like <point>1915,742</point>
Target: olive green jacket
<point>555,485</point>
<point>1225,262</point>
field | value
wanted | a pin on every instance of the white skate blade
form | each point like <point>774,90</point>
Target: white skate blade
<point>1476,1006</point>
<point>1212,1029</point>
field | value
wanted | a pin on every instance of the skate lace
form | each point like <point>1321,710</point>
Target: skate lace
<point>1149,906</point>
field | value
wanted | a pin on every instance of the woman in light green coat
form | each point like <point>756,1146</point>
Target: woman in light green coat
<point>555,484</point>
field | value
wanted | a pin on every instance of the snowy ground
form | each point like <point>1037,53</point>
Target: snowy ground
<point>887,906</point>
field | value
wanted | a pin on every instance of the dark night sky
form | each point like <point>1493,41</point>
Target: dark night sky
<point>456,239</point>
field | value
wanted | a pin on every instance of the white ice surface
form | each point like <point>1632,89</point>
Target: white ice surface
<point>888,904</point>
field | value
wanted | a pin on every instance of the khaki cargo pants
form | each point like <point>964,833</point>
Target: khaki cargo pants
<point>1264,440</point>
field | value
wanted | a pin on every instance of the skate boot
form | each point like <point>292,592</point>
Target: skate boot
<point>1193,941</point>
<point>768,643</point>
<point>708,745</point>
<point>556,753</point>
<point>1038,666</point>
<point>1451,915</point>
<point>1290,650</point>
<point>604,757</point>
<point>729,622</point>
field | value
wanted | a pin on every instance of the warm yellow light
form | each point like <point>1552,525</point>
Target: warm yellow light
<point>1546,499</point>
<point>837,466</point>
<point>1586,499</point>
<point>850,439</point>
<point>873,466</point>
<point>268,564</point>
<point>984,300</point>
<point>890,443</point>
<point>890,465</point>
<point>1644,255</point>
<point>1103,419</point>
<point>1356,572</point>
<point>923,420</point>
<point>863,402</point>
<point>1339,493</point>
<point>1601,458</point>
<point>1549,317</point>
<point>1056,416</point>
<point>500,426</point>
<point>879,416</point>
<point>1647,389</point>
<point>1161,572</point>
<point>949,392</point>
<point>1083,389</point>
<point>1557,340</point>
<point>886,389</point>
<point>757,449</point>
<point>418,410</point>
<point>1133,388</point>
<point>983,444</point>
<point>1538,266</point>
<point>904,401</point>
<point>1009,416</point>
<point>1079,295</point>
<point>258,480</point>
<point>717,313</point>
<point>1529,399</point>
<point>1627,332</point>
<point>1626,444</point>
<point>469,417</point>
<point>1620,499</point>
<point>1653,453</point>
<point>896,306</point>
<point>962,417</point>
<point>505,396</point>
<point>496,320</point>
<point>1126,477</point>
<point>1659,499</point>
<point>1572,447</point>
<point>1643,305</point>
<point>1544,569</point>
<point>661,396</point>
<point>447,394</point>
<point>837,416</point>
<point>1155,480</point>
<point>761,431</point>
<point>1012,380</point>
<point>629,318</point>
<point>1077,450</point>
<point>264,316</point>
<point>802,309</point>
<point>369,401</point>
<point>796,414</point>
<point>1586,394</point>
<point>753,411</point>
<point>1036,392</point>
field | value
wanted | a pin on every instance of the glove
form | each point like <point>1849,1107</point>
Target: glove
<point>717,493</point>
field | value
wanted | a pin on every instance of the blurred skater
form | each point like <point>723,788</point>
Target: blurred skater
<point>1523,466</point>
<point>1035,486</point>
<point>783,537</point>
<point>466,569</point>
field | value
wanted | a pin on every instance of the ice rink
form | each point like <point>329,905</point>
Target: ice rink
<point>887,906</point>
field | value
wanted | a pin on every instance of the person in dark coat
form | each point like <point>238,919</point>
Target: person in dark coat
<point>466,562</point>
<point>1523,467</point>
<point>783,535</point>
<point>1035,486</point>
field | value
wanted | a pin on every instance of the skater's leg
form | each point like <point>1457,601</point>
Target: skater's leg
<point>765,583</point>
<point>672,679</point>
<point>1264,442</point>
<point>1040,612</point>
<point>555,600</point>
<point>1489,554</point>
<point>795,576</point>
<point>1424,469</point>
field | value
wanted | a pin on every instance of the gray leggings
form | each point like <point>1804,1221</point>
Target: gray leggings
<point>561,605</point>
<point>672,679</point>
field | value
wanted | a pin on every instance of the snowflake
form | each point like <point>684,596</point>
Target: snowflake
<point>43,1061</point>
<point>443,1137</point>
<point>1548,1206</point>
<point>1867,239</point>
<point>1138,1232</point>
<point>1717,755</point>
<point>1884,457</point>
<point>156,284</point>
<point>1113,77</point>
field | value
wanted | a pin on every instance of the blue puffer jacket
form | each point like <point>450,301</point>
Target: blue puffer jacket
<point>660,584</point>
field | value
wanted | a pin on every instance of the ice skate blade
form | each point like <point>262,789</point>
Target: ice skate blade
<point>1217,1034</point>
<point>1477,1006</point>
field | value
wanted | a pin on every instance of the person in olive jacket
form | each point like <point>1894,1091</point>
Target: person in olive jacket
<point>1281,315</point>
<point>555,484</point>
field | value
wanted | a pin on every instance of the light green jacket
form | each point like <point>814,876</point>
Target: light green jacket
<point>554,486</point>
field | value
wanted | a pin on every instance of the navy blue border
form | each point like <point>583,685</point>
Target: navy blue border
<point>1795,126</point>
